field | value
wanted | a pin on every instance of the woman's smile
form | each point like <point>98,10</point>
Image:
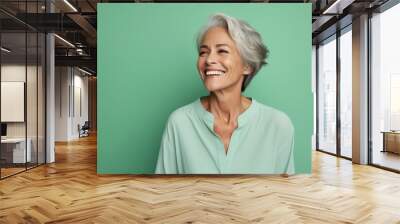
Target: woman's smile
<point>214,73</point>
<point>219,63</point>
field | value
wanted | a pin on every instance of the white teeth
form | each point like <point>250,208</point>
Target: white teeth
<point>210,73</point>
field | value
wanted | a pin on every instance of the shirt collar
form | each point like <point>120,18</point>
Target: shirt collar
<point>243,118</point>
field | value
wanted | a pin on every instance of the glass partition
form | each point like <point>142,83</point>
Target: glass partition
<point>31,100</point>
<point>14,154</point>
<point>22,77</point>
<point>41,107</point>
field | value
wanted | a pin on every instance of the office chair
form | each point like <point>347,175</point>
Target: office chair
<point>84,130</point>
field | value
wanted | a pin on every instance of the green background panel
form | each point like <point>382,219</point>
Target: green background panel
<point>147,68</point>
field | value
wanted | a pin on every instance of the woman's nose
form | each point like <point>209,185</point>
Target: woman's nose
<point>211,59</point>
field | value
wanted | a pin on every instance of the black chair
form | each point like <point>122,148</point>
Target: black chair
<point>84,130</point>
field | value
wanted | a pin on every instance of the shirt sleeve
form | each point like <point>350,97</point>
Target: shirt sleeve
<point>290,164</point>
<point>285,159</point>
<point>166,162</point>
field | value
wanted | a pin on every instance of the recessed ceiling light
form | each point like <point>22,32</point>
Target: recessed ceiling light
<point>70,5</point>
<point>5,50</point>
<point>64,40</point>
<point>337,7</point>
<point>84,71</point>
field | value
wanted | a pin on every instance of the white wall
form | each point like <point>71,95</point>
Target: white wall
<point>71,102</point>
<point>16,73</point>
<point>62,81</point>
<point>10,73</point>
<point>33,127</point>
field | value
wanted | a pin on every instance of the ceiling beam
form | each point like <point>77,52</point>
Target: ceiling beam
<point>83,23</point>
<point>85,61</point>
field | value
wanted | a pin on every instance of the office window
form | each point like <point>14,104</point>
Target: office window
<point>346,93</point>
<point>327,95</point>
<point>385,88</point>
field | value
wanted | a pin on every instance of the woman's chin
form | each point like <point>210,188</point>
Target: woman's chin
<point>213,88</point>
<point>218,86</point>
<point>213,85</point>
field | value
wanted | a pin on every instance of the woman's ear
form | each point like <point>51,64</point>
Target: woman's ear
<point>247,70</point>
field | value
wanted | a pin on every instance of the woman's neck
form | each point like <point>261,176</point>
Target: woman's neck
<point>226,107</point>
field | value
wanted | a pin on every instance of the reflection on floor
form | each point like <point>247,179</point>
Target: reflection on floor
<point>386,159</point>
<point>11,169</point>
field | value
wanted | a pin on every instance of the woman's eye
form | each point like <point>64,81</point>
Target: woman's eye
<point>223,51</point>
<point>202,53</point>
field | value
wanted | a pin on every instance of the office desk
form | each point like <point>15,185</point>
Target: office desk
<point>15,148</point>
<point>391,141</point>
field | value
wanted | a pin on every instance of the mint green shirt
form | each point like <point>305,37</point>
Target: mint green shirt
<point>261,144</point>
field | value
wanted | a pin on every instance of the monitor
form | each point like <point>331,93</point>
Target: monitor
<point>3,129</point>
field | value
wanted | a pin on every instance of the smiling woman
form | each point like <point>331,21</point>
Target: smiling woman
<point>226,132</point>
<point>220,64</point>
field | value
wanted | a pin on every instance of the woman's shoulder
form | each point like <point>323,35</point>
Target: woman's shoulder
<point>183,113</point>
<point>274,116</point>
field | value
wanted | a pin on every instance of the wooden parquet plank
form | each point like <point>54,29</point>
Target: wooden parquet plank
<point>70,191</point>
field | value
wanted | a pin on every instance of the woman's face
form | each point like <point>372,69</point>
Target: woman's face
<point>219,63</point>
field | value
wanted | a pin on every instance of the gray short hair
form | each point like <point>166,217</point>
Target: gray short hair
<point>248,41</point>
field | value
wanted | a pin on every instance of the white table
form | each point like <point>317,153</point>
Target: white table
<point>19,149</point>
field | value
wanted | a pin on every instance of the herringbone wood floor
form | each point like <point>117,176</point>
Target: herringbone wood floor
<point>70,191</point>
